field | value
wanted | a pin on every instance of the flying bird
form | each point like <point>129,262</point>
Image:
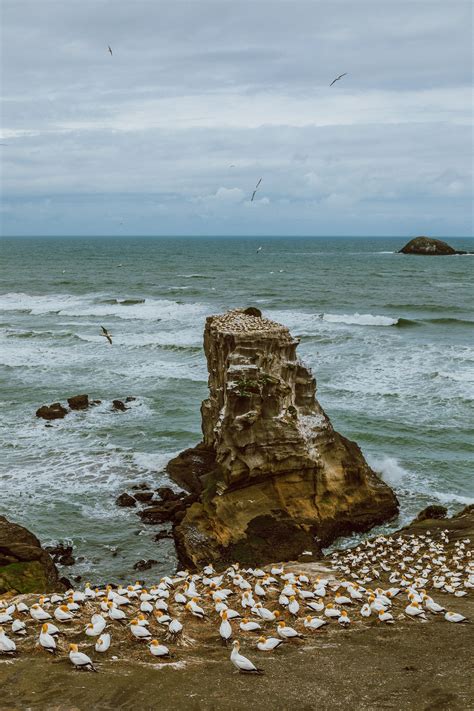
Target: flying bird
<point>230,166</point>
<point>258,250</point>
<point>110,50</point>
<point>337,78</point>
<point>106,335</point>
<point>255,191</point>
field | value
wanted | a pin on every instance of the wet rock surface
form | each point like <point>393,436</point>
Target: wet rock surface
<point>78,402</point>
<point>61,553</point>
<point>272,476</point>
<point>119,405</point>
<point>56,411</point>
<point>24,565</point>
<point>429,246</point>
<point>145,564</point>
<point>125,500</point>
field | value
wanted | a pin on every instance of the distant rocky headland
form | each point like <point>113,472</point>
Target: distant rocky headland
<point>271,479</point>
<point>430,246</point>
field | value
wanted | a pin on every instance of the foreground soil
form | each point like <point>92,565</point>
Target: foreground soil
<point>409,665</point>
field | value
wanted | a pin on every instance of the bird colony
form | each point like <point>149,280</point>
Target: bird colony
<point>383,581</point>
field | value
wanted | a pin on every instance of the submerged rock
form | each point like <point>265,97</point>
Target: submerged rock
<point>78,402</point>
<point>429,246</point>
<point>143,496</point>
<point>24,565</point>
<point>271,474</point>
<point>125,500</point>
<point>51,412</point>
<point>145,564</point>
<point>119,405</point>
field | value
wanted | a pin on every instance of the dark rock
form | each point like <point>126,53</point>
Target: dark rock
<point>429,246</point>
<point>51,412</point>
<point>142,486</point>
<point>253,311</point>
<point>25,566</point>
<point>170,510</point>
<point>167,494</point>
<point>78,402</point>
<point>143,496</point>
<point>61,553</point>
<point>119,405</point>
<point>435,511</point>
<point>192,465</point>
<point>145,564</point>
<point>96,402</point>
<point>130,398</point>
<point>161,535</point>
<point>125,500</point>
<point>67,583</point>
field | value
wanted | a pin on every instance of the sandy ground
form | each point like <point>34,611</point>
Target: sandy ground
<point>410,665</point>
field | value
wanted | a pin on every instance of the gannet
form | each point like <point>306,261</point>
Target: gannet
<point>96,626</point>
<point>315,606</point>
<point>139,631</point>
<point>146,606</point>
<point>265,644</point>
<point>313,623</point>
<point>159,650</point>
<point>225,629</point>
<point>7,645</point>
<point>287,632</point>
<point>249,626</point>
<point>293,605</point>
<point>162,605</point>
<point>431,605</point>
<point>331,611</point>
<point>265,614</point>
<point>116,613</point>
<point>63,614</point>
<point>103,643</point>
<point>243,664</point>
<point>386,617</point>
<point>195,609</point>
<point>47,640</point>
<point>163,619</point>
<point>175,627</point>
<point>414,610</point>
<point>343,618</point>
<point>455,617</point>
<point>79,659</point>
<point>18,627</point>
<point>38,614</point>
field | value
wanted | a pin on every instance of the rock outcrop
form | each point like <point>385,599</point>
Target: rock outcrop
<point>429,246</point>
<point>24,565</point>
<point>272,476</point>
<point>51,412</point>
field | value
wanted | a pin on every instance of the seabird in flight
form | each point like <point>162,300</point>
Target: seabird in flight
<point>110,50</point>
<point>337,78</point>
<point>106,335</point>
<point>255,191</point>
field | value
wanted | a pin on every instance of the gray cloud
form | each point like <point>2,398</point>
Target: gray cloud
<point>146,137</point>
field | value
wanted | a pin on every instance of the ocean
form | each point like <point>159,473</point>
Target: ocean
<point>389,338</point>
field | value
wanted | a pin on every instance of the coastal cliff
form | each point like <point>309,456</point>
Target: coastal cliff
<point>272,476</point>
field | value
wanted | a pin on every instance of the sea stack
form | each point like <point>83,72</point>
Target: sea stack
<point>429,246</point>
<point>273,477</point>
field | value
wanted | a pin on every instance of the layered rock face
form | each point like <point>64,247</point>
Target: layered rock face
<point>274,479</point>
<point>24,565</point>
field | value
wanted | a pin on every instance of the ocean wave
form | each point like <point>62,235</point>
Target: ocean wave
<point>194,276</point>
<point>389,469</point>
<point>360,319</point>
<point>123,302</point>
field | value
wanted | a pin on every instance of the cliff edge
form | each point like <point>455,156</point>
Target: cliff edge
<point>273,477</point>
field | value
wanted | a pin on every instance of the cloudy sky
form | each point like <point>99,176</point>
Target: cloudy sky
<point>142,142</point>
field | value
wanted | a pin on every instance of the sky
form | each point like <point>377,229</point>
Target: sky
<point>199,99</point>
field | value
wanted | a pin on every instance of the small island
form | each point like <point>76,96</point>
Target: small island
<point>429,246</point>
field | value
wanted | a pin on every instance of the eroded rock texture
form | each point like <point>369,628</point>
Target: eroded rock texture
<point>274,479</point>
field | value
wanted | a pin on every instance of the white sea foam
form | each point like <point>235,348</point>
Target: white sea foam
<point>389,469</point>
<point>360,319</point>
